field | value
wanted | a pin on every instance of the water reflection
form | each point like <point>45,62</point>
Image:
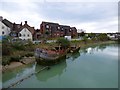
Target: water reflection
<point>58,70</point>
<point>75,55</point>
<point>88,67</point>
<point>102,47</point>
<point>19,72</point>
<point>13,76</point>
<point>93,49</point>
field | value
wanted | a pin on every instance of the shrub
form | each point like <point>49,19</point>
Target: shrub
<point>6,47</point>
<point>15,58</point>
<point>85,39</point>
<point>29,54</point>
<point>5,61</point>
<point>63,42</point>
<point>18,46</point>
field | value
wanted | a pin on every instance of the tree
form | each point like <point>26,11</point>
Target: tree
<point>82,34</point>
<point>85,39</point>
<point>102,37</point>
<point>64,43</point>
<point>92,35</point>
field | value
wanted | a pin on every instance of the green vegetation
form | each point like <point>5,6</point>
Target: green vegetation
<point>102,37</point>
<point>63,43</point>
<point>30,54</point>
<point>85,39</point>
<point>15,51</point>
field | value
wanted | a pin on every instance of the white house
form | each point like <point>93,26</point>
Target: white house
<point>26,32</point>
<point>4,30</point>
<point>68,38</point>
<point>111,36</point>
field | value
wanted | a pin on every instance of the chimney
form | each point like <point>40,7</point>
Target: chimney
<point>1,18</point>
<point>25,22</point>
<point>21,24</point>
<point>33,27</point>
<point>14,24</point>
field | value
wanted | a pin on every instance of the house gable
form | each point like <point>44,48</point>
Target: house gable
<point>5,30</point>
<point>25,34</point>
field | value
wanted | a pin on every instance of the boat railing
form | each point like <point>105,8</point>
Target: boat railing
<point>45,54</point>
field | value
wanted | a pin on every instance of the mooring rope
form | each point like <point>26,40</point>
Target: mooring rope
<point>18,82</point>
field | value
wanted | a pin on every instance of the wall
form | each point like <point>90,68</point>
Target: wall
<point>4,30</point>
<point>23,34</point>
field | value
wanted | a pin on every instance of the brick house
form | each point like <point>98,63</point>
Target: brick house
<point>74,32</point>
<point>66,30</point>
<point>50,29</point>
<point>37,35</point>
<point>15,29</point>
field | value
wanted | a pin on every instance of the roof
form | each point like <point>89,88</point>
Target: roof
<point>50,23</point>
<point>65,26</point>
<point>7,23</point>
<point>31,29</point>
<point>16,27</point>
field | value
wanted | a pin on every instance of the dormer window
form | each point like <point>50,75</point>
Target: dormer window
<point>62,29</point>
<point>47,26</point>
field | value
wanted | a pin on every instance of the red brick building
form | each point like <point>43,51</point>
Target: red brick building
<point>50,29</point>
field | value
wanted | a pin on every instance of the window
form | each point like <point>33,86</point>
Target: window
<point>70,30</point>
<point>62,29</point>
<point>3,32</point>
<point>58,27</point>
<point>3,27</point>
<point>47,26</point>
<point>19,35</point>
<point>24,35</point>
<point>28,35</point>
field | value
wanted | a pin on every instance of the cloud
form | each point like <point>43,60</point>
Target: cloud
<point>91,16</point>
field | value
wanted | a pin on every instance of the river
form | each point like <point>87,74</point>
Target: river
<point>91,67</point>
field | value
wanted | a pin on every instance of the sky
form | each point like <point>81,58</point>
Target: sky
<point>90,15</point>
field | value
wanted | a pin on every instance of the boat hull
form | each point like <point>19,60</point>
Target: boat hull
<point>49,62</point>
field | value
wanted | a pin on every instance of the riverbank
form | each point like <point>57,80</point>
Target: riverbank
<point>28,60</point>
<point>96,43</point>
<point>79,68</point>
<point>14,65</point>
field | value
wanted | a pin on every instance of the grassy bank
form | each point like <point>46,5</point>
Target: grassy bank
<point>96,43</point>
<point>18,52</point>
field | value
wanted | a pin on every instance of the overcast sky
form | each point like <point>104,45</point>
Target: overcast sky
<point>92,16</point>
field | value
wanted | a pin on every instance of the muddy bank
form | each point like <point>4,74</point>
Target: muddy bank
<point>13,65</point>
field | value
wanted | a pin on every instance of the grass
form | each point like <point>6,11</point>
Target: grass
<point>29,49</point>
